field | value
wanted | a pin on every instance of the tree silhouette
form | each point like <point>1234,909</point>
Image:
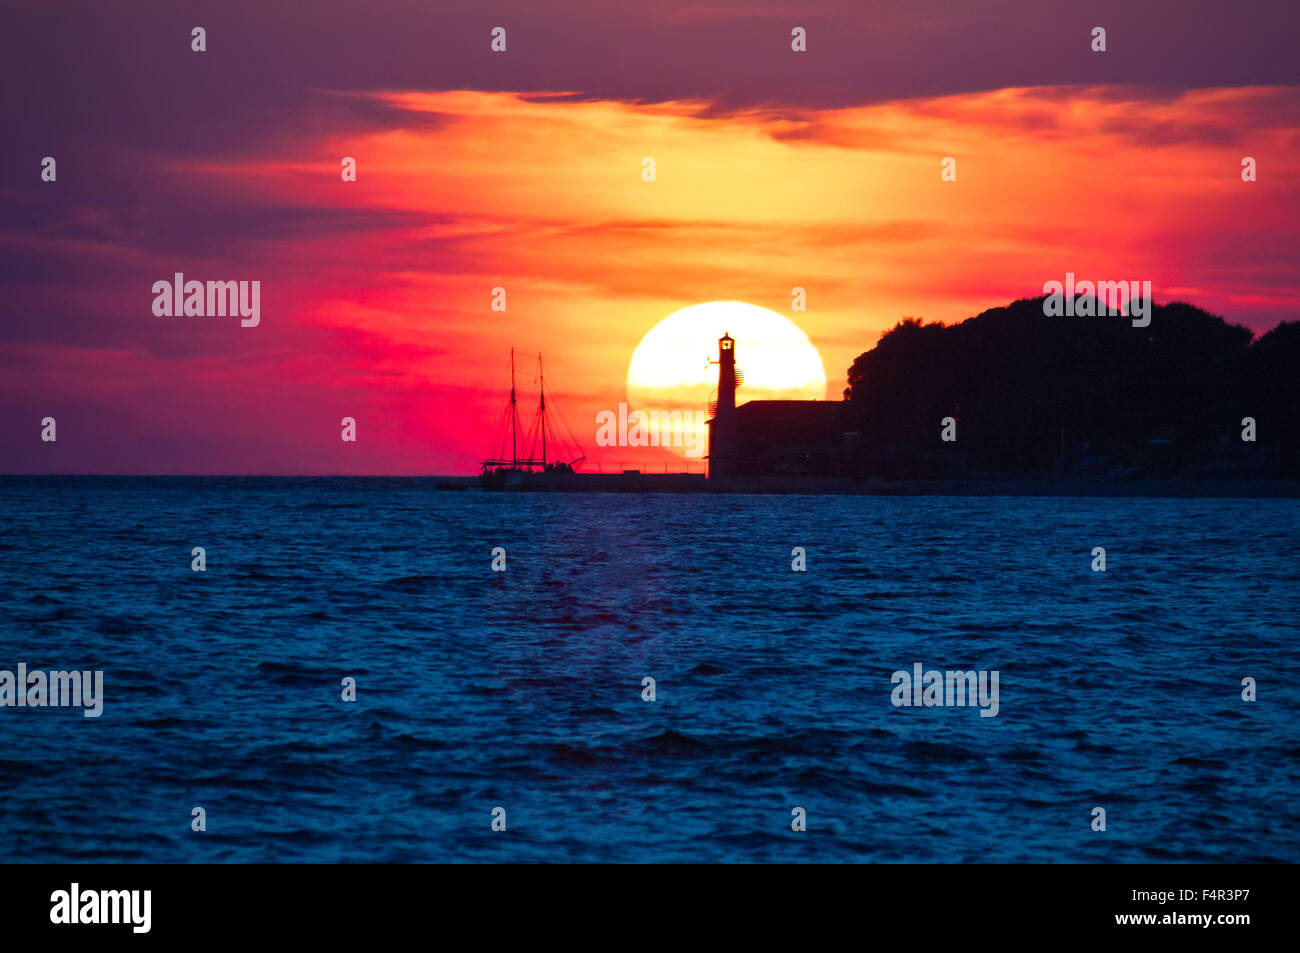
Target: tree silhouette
<point>1035,394</point>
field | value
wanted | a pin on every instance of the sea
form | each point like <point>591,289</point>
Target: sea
<point>507,716</point>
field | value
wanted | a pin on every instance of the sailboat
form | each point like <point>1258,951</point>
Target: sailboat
<point>549,445</point>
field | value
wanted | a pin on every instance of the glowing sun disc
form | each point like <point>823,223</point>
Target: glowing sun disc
<point>669,367</point>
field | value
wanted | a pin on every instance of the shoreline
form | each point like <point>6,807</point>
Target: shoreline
<point>694,483</point>
<point>1072,488</point>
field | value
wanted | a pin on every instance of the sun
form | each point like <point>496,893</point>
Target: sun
<point>670,370</point>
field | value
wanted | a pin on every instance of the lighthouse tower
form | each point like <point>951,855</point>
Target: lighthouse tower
<point>722,425</point>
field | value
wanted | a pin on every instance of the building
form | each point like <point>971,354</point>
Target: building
<point>775,437</point>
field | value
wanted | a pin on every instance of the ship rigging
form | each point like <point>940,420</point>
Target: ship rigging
<point>548,442</point>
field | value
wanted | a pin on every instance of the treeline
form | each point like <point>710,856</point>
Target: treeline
<point>1033,394</point>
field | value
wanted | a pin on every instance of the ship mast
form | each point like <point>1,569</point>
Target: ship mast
<point>514,413</point>
<point>563,443</point>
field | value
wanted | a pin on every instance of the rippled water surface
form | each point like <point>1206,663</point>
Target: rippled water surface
<point>522,689</point>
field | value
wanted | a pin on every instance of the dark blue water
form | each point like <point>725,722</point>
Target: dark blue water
<point>523,689</point>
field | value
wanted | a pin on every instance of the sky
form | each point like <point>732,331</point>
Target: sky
<point>523,170</point>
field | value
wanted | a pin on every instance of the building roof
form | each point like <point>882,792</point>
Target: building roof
<point>779,411</point>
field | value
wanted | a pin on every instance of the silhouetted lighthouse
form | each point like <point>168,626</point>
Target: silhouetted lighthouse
<point>722,425</point>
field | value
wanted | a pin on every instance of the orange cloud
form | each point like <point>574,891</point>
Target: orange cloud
<point>543,195</point>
